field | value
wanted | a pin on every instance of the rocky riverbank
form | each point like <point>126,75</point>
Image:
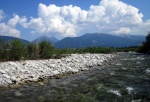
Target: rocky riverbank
<point>14,72</point>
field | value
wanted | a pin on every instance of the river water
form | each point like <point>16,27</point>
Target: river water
<point>126,78</point>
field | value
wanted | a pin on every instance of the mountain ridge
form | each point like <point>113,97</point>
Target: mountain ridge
<point>88,40</point>
<point>45,38</point>
<point>9,38</point>
<point>100,39</point>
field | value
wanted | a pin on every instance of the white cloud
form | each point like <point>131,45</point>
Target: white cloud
<point>59,20</point>
<point>142,29</point>
<point>17,20</point>
<point>1,15</point>
<point>123,30</point>
<point>8,31</point>
<point>37,24</point>
<point>9,28</point>
<point>109,16</point>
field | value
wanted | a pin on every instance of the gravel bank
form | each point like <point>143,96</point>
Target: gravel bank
<point>14,72</point>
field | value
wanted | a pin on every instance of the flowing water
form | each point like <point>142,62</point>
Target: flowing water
<point>124,79</point>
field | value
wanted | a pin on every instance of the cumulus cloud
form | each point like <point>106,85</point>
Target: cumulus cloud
<point>8,31</point>
<point>17,20</point>
<point>9,28</point>
<point>123,30</point>
<point>109,16</point>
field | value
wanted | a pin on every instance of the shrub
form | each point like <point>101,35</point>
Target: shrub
<point>17,50</point>
<point>46,50</point>
<point>145,48</point>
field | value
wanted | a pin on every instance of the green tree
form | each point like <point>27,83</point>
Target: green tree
<point>145,48</point>
<point>5,47</point>
<point>18,50</point>
<point>33,51</point>
<point>46,50</point>
<point>0,53</point>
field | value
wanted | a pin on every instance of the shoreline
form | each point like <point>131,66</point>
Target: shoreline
<point>17,72</point>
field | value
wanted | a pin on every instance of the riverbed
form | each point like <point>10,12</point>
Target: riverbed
<point>126,78</point>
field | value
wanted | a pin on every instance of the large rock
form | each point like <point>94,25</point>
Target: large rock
<point>2,71</point>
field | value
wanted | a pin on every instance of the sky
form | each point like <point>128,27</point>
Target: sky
<point>28,19</point>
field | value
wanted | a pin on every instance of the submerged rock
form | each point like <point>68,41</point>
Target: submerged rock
<point>17,93</point>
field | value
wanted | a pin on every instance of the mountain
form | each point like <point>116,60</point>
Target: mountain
<point>89,40</point>
<point>53,39</point>
<point>100,39</point>
<point>134,37</point>
<point>8,38</point>
<point>45,38</point>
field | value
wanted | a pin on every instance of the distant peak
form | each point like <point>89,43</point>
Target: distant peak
<point>45,38</point>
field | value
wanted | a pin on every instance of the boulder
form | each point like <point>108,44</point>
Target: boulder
<point>2,71</point>
<point>6,76</point>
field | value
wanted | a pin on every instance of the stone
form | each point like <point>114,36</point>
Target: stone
<point>13,78</point>
<point>99,63</point>
<point>41,83</point>
<point>13,64</point>
<point>17,93</point>
<point>53,65</point>
<point>6,76</point>
<point>2,71</point>
<point>8,81</point>
<point>55,72</point>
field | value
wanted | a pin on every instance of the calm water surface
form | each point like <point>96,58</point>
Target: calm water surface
<point>124,79</point>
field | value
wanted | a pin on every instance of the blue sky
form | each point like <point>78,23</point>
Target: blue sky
<point>29,19</point>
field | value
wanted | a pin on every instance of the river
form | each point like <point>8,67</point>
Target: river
<point>126,78</point>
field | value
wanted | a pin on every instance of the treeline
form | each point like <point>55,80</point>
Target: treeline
<point>16,50</point>
<point>145,47</point>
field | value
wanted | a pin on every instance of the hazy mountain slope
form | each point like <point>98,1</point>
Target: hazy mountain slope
<point>99,39</point>
<point>45,38</point>
<point>8,38</point>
